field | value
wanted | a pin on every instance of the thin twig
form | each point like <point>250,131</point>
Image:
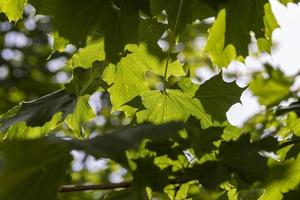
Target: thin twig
<point>110,186</point>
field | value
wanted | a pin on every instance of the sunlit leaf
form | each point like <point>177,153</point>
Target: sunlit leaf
<point>270,90</point>
<point>59,43</point>
<point>219,53</point>
<point>129,80</point>
<point>230,34</point>
<point>171,105</point>
<point>12,8</point>
<point>82,114</point>
<point>284,176</point>
<point>85,57</point>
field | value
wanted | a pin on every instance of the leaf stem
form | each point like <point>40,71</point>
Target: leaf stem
<point>168,54</point>
<point>166,71</point>
<point>290,142</point>
<point>178,15</point>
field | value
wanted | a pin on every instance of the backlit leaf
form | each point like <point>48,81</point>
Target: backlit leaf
<point>171,105</point>
<point>82,114</point>
<point>12,8</point>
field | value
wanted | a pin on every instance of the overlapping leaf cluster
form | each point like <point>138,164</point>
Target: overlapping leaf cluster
<point>178,144</point>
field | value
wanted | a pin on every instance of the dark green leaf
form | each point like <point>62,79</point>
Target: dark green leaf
<point>77,20</point>
<point>150,175</point>
<point>128,194</point>
<point>202,140</point>
<point>121,28</point>
<point>181,12</point>
<point>293,107</point>
<point>230,34</point>
<point>243,157</point>
<point>217,96</point>
<point>283,177</point>
<point>39,111</point>
<point>114,145</point>
<point>32,170</point>
<point>210,174</point>
<point>150,32</point>
<point>86,81</point>
<point>292,195</point>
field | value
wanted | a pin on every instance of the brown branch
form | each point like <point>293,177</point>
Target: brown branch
<point>109,186</point>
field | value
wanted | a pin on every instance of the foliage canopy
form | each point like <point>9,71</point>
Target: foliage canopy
<point>134,101</point>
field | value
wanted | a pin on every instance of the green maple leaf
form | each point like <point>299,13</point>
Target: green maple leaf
<point>78,20</point>
<point>243,17</point>
<point>127,194</point>
<point>39,111</point>
<point>252,194</point>
<point>182,12</point>
<point>40,174</point>
<point>265,44</point>
<point>150,31</point>
<point>187,86</point>
<point>242,157</point>
<point>210,174</point>
<point>162,107</point>
<point>121,29</point>
<point>220,54</point>
<point>288,1</point>
<point>34,174</point>
<point>283,177</point>
<point>217,96</point>
<point>59,43</point>
<point>202,140</point>
<point>39,117</point>
<point>230,33</point>
<point>272,90</point>
<point>74,20</point>
<point>86,81</point>
<point>128,82</point>
<point>129,79</point>
<point>85,57</point>
<point>21,130</point>
<point>292,195</point>
<point>12,8</point>
<point>82,114</point>
<point>114,145</point>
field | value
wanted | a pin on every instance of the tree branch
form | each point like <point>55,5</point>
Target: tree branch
<point>109,186</point>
